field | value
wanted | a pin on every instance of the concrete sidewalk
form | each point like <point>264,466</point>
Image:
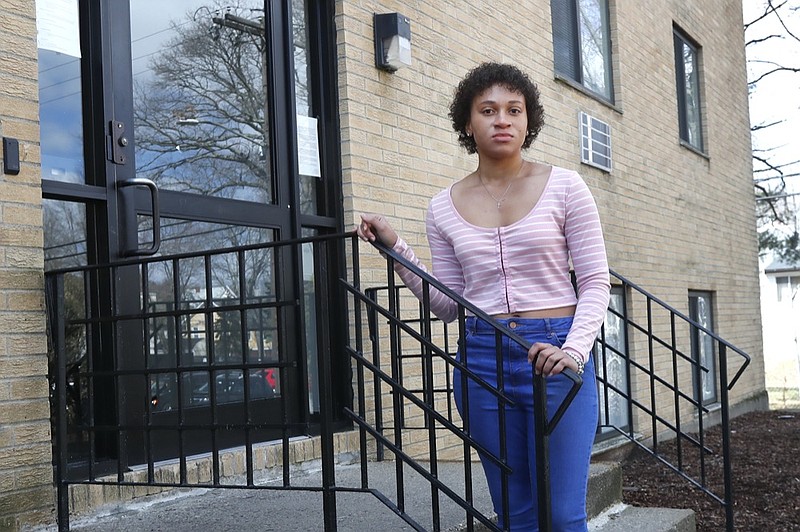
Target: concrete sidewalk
<point>257,510</point>
<point>221,509</point>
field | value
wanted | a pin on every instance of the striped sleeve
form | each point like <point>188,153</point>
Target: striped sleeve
<point>587,249</point>
<point>446,269</point>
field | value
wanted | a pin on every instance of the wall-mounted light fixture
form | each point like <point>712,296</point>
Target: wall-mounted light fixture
<point>392,41</point>
<point>10,156</point>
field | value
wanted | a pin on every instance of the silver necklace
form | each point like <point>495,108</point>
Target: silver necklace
<point>499,201</point>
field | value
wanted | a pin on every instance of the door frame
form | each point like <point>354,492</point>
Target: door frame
<point>107,98</point>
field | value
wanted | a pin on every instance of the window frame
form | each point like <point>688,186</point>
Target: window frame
<point>568,56</point>
<point>786,286</point>
<point>699,377</point>
<point>605,356</point>
<point>680,39</point>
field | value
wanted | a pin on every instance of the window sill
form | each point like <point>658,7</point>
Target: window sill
<point>580,88</point>
<point>695,150</point>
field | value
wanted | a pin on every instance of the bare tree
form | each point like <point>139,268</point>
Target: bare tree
<point>202,127</point>
<point>200,112</point>
<point>776,22</point>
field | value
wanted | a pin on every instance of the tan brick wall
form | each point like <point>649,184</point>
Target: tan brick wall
<point>674,220</point>
<point>26,488</point>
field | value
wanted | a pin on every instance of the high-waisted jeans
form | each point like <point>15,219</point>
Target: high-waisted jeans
<point>570,443</point>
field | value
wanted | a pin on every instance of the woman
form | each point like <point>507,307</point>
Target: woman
<point>503,237</point>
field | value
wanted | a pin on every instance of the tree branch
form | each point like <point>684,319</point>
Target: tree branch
<point>773,71</point>
<point>767,11</point>
<point>759,127</point>
<point>763,39</point>
<point>785,27</point>
<point>770,166</point>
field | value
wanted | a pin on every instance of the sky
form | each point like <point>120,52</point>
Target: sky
<point>776,97</point>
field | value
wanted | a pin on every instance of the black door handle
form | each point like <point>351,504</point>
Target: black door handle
<point>151,186</point>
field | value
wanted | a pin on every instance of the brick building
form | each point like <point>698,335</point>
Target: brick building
<point>659,88</point>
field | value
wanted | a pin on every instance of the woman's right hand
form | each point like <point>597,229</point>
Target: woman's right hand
<point>376,227</point>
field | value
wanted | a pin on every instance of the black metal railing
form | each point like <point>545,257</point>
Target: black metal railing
<point>161,358</point>
<point>407,325</point>
<point>156,360</point>
<point>681,355</point>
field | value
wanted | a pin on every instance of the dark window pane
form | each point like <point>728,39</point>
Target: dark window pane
<point>700,310</point>
<point>64,234</point>
<point>688,86</point>
<point>581,43</point>
<point>565,39</point>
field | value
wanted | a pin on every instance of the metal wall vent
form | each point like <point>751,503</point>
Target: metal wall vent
<point>595,142</point>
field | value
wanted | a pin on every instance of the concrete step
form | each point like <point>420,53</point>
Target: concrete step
<point>220,509</point>
<point>605,487</point>
<point>607,513</point>
<point>624,518</point>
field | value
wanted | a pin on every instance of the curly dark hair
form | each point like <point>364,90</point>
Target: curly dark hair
<point>483,77</point>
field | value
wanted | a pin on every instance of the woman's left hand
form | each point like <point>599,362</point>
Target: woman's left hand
<point>375,227</point>
<point>550,360</point>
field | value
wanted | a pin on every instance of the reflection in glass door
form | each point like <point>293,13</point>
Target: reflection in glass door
<point>199,109</point>
<point>200,97</point>
<point>65,246</point>
<point>73,206</point>
<point>193,342</point>
<point>60,97</point>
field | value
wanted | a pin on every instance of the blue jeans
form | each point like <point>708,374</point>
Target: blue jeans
<point>570,443</point>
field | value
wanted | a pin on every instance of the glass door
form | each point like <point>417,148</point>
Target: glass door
<point>194,126</point>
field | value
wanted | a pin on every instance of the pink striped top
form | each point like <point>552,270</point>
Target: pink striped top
<point>523,266</point>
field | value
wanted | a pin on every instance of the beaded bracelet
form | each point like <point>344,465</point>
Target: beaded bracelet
<point>578,360</point>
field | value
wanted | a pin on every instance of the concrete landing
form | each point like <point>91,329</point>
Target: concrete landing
<point>223,509</point>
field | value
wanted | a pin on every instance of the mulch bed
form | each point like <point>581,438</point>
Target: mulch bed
<point>766,475</point>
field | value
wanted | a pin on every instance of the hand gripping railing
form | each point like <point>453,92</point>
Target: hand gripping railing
<point>544,427</point>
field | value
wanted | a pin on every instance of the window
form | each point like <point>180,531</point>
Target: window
<point>611,366</point>
<point>788,287</point>
<point>687,76</point>
<point>703,349</point>
<point>582,44</point>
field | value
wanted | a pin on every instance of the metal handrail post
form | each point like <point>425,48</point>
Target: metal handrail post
<point>325,375</point>
<point>55,288</point>
<point>542,454</point>
<point>726,437</point>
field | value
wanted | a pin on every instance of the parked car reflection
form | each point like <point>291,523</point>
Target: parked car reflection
<point>229,388</point>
